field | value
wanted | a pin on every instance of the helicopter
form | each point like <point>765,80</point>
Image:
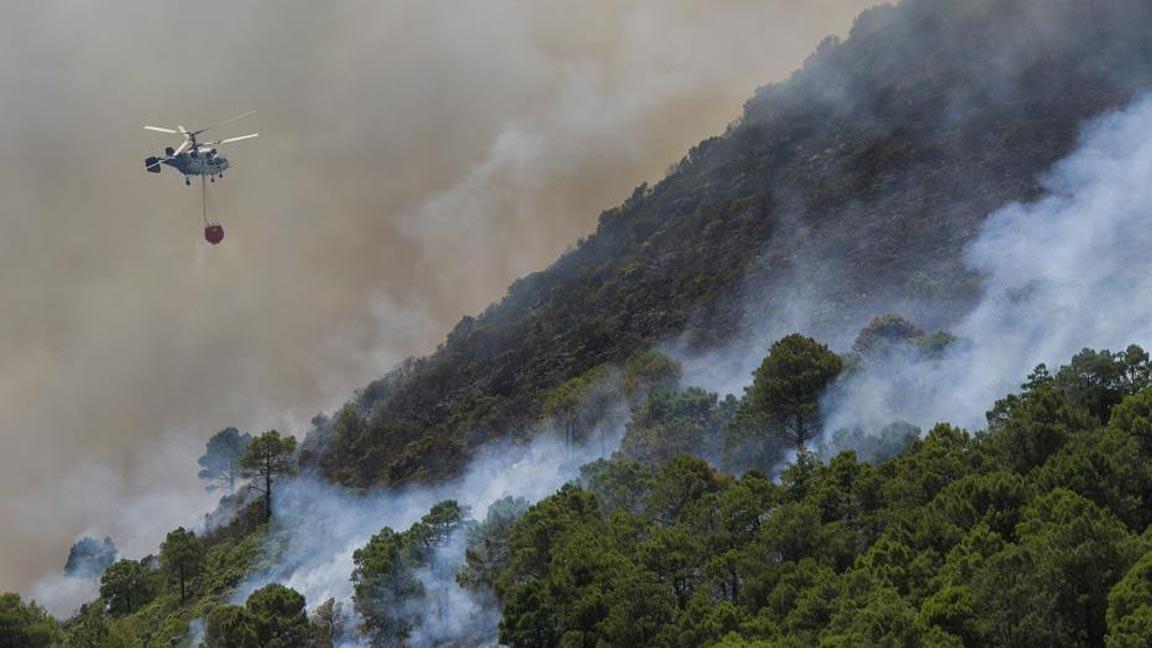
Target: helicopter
<point>193,157</point>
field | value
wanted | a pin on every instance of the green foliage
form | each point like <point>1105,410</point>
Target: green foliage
<point>668,424</point>
<point>273,617</point>
<point>885,332</point>
<point>1034,425</point>
<point>786,387</point>
<point>93,630</point>
<point>386,591</point>
<point>878,445</point>
<point>647,371</point>
<point>227,562</point>
<point>126,586</point>
<point>618,485</point>
<point>180,557</point>
<point>1098,380</point>
<point>24,625</point>
<point>1130,607</point>
<point>1030,534</point>
<point>577,405</point>
<point>1133,417</point>
<point>267,456</point>
<point>487,552</point>
<point>891,334</point>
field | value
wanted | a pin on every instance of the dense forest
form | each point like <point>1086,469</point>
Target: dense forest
<point>714,519</point>
<point>1032,532</point>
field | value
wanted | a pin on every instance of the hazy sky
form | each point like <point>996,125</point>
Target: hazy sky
<point>415,157</point>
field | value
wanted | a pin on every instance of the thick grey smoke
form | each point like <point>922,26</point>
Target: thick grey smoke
<point>1069,271</point>
<point>415,157</point>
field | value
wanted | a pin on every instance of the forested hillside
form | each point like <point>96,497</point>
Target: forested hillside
<point>879,159</point>
<point>1033,532</point>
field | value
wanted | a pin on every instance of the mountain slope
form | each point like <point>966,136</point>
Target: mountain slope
<point>884,153</point>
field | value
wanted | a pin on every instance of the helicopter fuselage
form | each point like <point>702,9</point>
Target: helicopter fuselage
<point>199,163</point>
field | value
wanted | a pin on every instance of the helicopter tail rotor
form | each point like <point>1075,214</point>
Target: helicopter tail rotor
<point>152,164</point>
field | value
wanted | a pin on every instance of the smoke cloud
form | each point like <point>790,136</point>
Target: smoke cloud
<point>318,525</point>
<point>1069,271</point>
<point>415,158</point>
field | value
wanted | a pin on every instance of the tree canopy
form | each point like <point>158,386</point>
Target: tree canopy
<point>267,456</point>
<point>787,386</point>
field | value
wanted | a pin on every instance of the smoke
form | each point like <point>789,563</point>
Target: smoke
<point>318,525</point>
<point>1068,271</point>
<point>63,595</point>
<point>414,158</point>
<point>135,508</point>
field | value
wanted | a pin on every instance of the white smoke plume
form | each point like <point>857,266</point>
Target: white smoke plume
<point>318,525</point>
<point>135,507</point>
<point>1069,271</point>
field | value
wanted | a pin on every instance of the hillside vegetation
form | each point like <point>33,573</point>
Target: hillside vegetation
<point>862,177</point>
<point>1033,532</point>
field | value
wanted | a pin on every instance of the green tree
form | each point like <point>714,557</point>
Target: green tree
<point>220,463</point>
<point>180,556</point>
<point>125,586</point>
<point>487,552</point>
<point>618,484</point>
<point>1129,614</point>
<point>279,617</point>
<point>274,616</point>
<point>1051,587</point>
<point>383,585</point>
<point>1098,380</point>
<point>386,591</point>
<point>94,630</point>
<point>787,386</point>
<point>1133,417</point>
<point>647,371</point>
<point>683,482</point>
<point>668,424</point>
<point>267,456</point>
<point>230,626</point>
<point>24,625</point>
<point>578,404</point>
<point>1030,427</point>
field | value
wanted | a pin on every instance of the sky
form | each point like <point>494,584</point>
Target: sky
<point>414,159</point>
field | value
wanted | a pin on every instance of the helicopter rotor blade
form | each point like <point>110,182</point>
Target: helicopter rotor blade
<point>229,140</point>
<point>226,121</point>
<point>159,129</point>
<point>184,146</point>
